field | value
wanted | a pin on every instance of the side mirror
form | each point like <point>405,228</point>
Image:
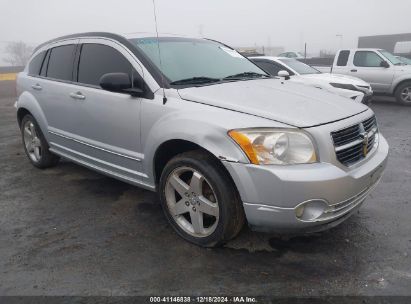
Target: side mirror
<point>284,74</point>
<point>384,64</point>
<point>120,83</point>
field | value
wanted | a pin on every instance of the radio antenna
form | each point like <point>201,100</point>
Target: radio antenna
<point>159,52</point>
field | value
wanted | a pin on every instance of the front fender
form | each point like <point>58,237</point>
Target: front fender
<point>205,126</point>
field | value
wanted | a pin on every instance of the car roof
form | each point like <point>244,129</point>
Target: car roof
<point>118,37</point>
<point>363,49</point>
<point>134,35</point>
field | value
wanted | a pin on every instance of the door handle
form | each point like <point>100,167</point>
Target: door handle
<point>354,70</point>
<point>37,87</point>
<point>77,96</point>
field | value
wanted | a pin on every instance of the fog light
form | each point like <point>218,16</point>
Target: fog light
<point>299,211</point>
<point>311,210</point>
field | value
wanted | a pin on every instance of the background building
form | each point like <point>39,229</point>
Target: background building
<point>397,43</point>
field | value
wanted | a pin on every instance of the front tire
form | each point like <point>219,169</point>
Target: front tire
<point>35,145</point>
<point>200,200</point>
<point>403,93</point>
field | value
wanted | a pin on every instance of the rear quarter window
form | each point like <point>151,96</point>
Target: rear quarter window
<point>36,63</point>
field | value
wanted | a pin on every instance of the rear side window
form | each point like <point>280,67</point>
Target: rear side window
<point>43,71</point>
<point>97,60</point>
<point>270,68</point>
<point>367,59</point>
<point>35,64</point>
<point>343,58</point>
<point>60,65</point>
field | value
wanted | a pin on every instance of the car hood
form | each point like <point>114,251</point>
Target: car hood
<point>338,78</point>
<point>283,101</point>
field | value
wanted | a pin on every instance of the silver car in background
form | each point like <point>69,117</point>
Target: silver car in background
<point>297,71</point>
<point>221,141</point>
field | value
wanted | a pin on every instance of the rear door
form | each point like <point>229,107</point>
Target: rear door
<point>52,88</point>
<point>107,128</point>
<point>34,80</point>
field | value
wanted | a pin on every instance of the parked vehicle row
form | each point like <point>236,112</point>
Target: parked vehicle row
<point>222,141</point>
<point>295,55</point>
<point>296,71</point>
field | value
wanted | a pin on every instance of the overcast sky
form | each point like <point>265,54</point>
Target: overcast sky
<point>235,22</point>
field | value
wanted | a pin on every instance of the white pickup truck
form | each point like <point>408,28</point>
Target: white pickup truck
<point>385,72</point>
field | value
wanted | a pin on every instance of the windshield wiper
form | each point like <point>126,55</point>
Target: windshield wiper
<point>195,80</point>
<point>247,75</point>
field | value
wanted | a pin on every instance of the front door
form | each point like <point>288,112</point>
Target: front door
<point>367,66</point>
<point>107,129</point>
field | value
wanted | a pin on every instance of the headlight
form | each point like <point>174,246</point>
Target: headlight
<point>344,86</point>
<point>272,146</point>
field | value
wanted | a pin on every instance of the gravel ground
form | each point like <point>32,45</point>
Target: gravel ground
<point>71,231</point>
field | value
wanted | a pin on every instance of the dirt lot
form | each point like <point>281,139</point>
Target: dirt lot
<point>71,231</point>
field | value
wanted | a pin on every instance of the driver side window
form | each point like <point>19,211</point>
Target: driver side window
<point>97,60</point>
<point>367,59</point>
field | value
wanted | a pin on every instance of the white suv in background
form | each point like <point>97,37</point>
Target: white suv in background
<point>296,71</point>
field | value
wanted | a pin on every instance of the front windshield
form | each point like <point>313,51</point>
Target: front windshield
<point>183,58</point>
<point>299,67</point>
<point>392,58</point>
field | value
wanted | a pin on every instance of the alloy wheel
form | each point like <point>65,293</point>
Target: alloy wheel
<point>32,141</point>
<point>192,202</point>
<point>406,95</point>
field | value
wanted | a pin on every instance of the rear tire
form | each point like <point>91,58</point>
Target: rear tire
<point>200,200</point>
<point>35,145</point>
<point>403,93</point>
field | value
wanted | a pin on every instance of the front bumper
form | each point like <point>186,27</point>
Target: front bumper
<point>271,195</point>
<point>367,99</point>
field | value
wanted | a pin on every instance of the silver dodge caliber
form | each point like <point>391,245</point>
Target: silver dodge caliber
<point>220,140</point>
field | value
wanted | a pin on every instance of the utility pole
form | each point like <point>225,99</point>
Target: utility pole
<point>305,50</point>
<point>341,36</point>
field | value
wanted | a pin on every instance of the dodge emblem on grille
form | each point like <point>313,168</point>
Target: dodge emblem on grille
<point>364,137</point>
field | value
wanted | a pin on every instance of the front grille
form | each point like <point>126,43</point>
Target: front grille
<point>354,143</point>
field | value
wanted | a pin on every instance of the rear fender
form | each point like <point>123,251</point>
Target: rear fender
<point>27,101</point>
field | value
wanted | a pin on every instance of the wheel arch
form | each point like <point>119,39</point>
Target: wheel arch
<point>21,112</point>
<point>168,149</point>
<point>397,85</point>
<point>27,104</point>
